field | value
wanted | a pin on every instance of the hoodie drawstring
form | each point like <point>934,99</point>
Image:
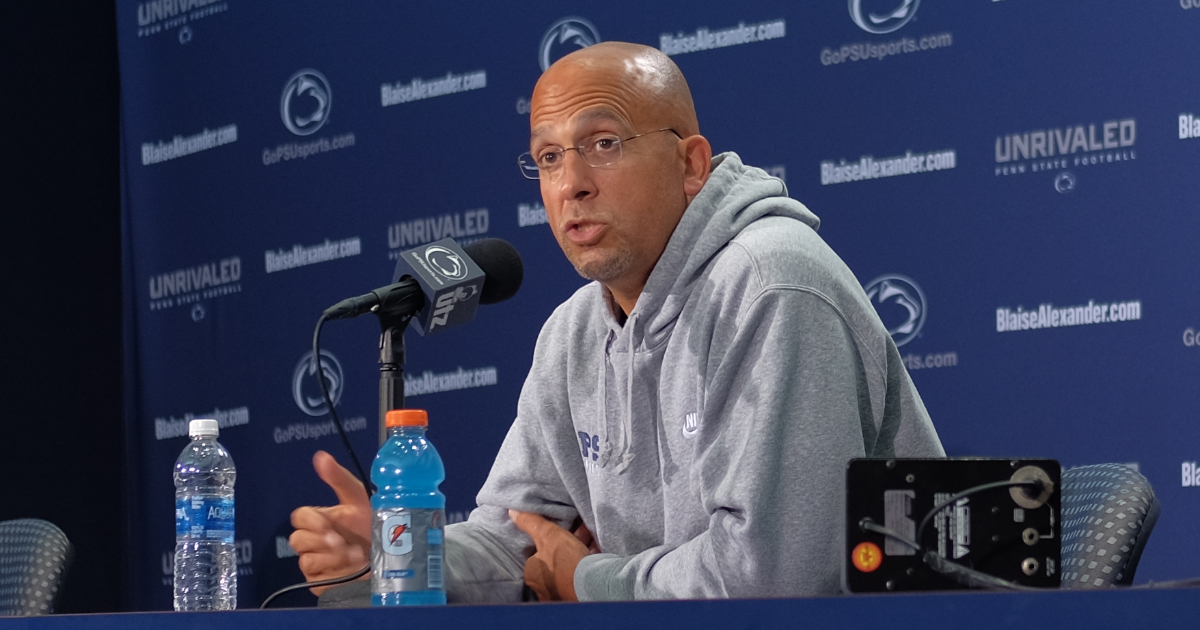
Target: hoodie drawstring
<point>622,454</point>
<point>607,449</point>
<point>625,456</point>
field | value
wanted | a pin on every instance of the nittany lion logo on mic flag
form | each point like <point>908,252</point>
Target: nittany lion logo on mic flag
<point>444,261</point>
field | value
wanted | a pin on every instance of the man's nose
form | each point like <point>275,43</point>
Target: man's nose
<point>575,177</point>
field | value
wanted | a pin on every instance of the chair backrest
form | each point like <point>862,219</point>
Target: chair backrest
<point>34,557</point>
<point>1108,511</point>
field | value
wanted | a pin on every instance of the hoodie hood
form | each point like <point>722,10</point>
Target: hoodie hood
<point>734,196</point>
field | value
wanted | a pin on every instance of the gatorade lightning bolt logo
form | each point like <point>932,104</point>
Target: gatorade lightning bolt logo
<point>396,532</point>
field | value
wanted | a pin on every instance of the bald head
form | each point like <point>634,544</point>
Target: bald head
<point>613,219</point>
<point>647,85</point>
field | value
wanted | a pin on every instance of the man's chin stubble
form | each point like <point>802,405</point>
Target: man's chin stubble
<point>607,268</point>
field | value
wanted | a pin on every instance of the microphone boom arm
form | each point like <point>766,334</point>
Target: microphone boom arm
<point>395,309</point>
<point>391,372</point>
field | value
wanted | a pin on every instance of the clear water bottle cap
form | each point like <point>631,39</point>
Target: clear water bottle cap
<point>203,428</point>
<point>406,418</point>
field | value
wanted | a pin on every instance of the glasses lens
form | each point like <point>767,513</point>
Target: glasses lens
<point>602,151</point>
<point>528,167</point>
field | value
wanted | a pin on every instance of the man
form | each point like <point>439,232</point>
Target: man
<point>696,405</point>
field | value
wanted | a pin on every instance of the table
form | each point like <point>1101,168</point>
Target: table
<point>1123,608</point>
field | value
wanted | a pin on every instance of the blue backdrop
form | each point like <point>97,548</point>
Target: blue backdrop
<point>1013,181</point>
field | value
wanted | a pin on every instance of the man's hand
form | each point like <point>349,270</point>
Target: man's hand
<point>333,541</point>
<point>551,571</point>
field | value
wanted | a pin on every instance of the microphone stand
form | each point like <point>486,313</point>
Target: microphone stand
<point>391,366</point>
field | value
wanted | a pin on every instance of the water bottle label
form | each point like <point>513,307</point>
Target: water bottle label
<point>407,550</point>
<point>207,518</point>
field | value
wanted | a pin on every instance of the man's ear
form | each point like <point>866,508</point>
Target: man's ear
<point>697,164</point>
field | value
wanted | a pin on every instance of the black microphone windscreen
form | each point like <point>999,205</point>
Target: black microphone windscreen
<point>502,264</point>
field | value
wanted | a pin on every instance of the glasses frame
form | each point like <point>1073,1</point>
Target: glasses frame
<point>583,153</point>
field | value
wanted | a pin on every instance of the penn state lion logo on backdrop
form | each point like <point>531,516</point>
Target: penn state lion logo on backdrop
<point>900,304</point>
<point>305,103</point>
<point>882,16</point>
<point>566,36</point>
<point>306,391</point>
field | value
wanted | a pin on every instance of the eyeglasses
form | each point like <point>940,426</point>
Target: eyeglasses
<point>598,152</point>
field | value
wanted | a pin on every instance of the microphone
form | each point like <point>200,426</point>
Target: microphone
<point>440,284</point>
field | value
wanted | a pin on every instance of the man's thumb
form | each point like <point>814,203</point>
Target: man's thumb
<point>348,488</point>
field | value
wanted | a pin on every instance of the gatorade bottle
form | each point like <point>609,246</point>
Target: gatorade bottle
<point>410,513</point>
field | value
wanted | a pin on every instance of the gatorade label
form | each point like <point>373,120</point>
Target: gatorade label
<point>204,518</point>
<point>407,550</point>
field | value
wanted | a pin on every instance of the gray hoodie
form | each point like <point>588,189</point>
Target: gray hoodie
<point>703,442</point>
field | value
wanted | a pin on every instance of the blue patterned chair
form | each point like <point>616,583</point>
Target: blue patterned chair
<point>34,557</point>
<point>1108,512</point>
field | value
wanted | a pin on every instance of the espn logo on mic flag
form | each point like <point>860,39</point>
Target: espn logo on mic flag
<point>450,280</point>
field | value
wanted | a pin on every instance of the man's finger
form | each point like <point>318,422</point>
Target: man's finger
<point>307,541</point>
<point>584,535</point>
<point>539,578</point>
<point>311,518</point>
<point>323,566</point>
<point>327,566</point>
<point>303,541</point>
<point>348,488</point>
<point>536,525</point>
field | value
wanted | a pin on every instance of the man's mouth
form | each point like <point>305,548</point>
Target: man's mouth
<point>584,232</point>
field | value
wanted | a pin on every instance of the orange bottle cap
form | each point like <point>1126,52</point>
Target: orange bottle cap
<point>406,418</point>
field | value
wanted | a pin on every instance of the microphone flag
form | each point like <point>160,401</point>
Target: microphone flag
<point>450,281</point>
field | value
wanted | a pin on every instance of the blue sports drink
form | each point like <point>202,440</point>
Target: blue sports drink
<point>410,515</point>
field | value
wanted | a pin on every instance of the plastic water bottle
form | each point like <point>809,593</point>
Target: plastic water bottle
<point>205,558</point>
<point>410,514</point>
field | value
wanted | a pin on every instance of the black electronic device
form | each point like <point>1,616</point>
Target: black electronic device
<point>1002,520</point>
